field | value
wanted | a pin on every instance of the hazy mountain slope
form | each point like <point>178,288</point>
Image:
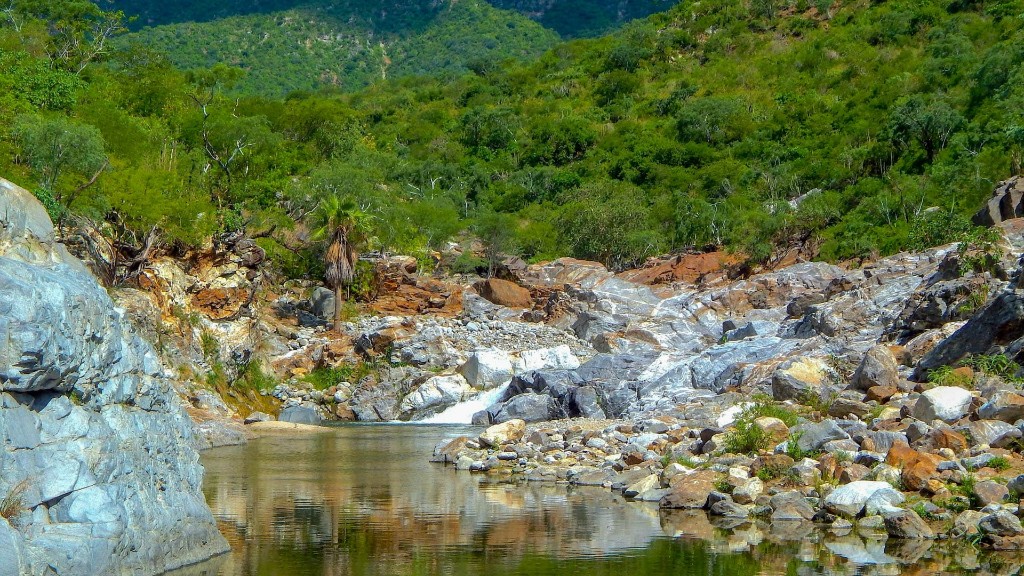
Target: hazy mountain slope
<point>348,44</point>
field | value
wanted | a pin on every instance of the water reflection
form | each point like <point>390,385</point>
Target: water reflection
<point>364,500</point>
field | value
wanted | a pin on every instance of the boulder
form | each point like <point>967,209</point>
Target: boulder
<point>1000,322</point>
<point>801,378</point>
<point>1005,203</point>
<point>530,407</point>
<point>92,425</point>
<point>790,506</point>
<point>992,433</point>
<point>487,368</point>
<point>849,500</point>
<point>1001,523</point>
<point>907,524</point>
<point>814,435</point>
<point>504,293</point>
<point>511,431</point>
<point>878,368</point>
<point>585,403</point>
<point>690,490</point>
<point>321,302</point>
<point>434,395</point>
<point>1003,405</point>
<point>947,403</point>
<point>989,492</point>
<point>748,491</point>
<point>304,413</point>
<point>728,509</point>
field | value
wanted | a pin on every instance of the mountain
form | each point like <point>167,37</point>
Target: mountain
<point>583,18</point>
<point>570,18</point>
<point>345,45</point>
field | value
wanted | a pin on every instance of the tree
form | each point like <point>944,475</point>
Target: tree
<point>497,231</point>
<point>341,221</point>
<point>58,147</point>
<point>930,123</point>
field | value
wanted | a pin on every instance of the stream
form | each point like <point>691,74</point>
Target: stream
<point>364,500</point>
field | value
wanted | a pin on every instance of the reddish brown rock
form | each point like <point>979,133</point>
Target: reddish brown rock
<point>504,293</point>
<point>881,393</point>
<point>901,455</point>
<point>221,303</point>
<point>941,438</point>
<point>690,268</point>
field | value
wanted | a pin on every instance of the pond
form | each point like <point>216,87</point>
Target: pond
<point>363,499</point>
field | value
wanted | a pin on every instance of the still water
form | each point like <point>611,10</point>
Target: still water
<point>363,500</point>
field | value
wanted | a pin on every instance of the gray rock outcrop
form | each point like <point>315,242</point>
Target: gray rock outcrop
<point>97,447</point>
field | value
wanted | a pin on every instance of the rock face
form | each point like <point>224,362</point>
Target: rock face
<point>96,440</point>
<point>1005,204</point>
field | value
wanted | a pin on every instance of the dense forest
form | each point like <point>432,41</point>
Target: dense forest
<point>848,129</point>
<point>349,44</point>
<point>285,45</point>
<point>570,18</point>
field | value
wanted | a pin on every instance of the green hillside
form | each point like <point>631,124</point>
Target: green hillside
<point>570,18</point>
<point>850,130</point>
<point>348,45</point>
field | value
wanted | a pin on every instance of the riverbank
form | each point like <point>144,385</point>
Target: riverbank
<point>363,500</point>
<point>841,474</point>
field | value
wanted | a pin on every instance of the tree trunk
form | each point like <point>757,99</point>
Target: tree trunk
<point>337,309</point>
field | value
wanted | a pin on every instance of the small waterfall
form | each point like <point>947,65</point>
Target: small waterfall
<point>462,413</point>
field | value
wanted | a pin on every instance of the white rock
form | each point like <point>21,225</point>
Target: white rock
<point>947,403</point>
<point>487,368</point>
<point>747,492</point>
<point>439,391</point>
<point>557,358</point>
<point>499,434</point>
<point>851,499</point>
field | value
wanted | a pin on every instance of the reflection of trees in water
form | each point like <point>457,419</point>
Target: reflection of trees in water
<point>364,501</point>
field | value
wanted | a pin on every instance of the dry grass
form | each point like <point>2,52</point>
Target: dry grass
<point>12,505</point>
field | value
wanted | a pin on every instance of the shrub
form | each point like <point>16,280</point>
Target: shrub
<point>995,365</point>
<point>947,376</point>
<point>746,438</point>
<point>765,406</point>
<point>325,377</point>
<point>999,463</point>
<point>252,376</point>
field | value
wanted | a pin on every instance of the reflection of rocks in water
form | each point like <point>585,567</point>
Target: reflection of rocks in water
<point>364,501</point>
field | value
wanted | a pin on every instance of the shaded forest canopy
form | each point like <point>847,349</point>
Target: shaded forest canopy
<point>849,129</point>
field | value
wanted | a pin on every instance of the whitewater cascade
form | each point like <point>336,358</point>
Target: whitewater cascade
<point>462,413</point>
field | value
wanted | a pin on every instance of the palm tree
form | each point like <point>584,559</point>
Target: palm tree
<point>340,220</point>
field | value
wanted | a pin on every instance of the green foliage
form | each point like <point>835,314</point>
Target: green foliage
<point>793,449</point>
<point>995,365</point>
<point>324,377</point>
<point>746,438</point>
<point>979,250</point>
<point>947,376</point>
<point>999,463</point>
<point>764,405</point>
<point>862,130</point>
<point>59,148</point>
<point>771,472</point>
<point>346,44</point>
<point>966,489</point>
<point>210,346</point>
<point>252,377</point>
